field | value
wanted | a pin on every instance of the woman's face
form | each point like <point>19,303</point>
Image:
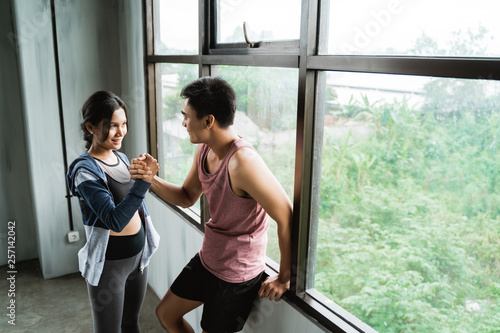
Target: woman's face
<point>117,130</point>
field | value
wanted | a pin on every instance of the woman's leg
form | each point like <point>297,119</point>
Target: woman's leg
<point>106,299</point>
<point>135,290</point>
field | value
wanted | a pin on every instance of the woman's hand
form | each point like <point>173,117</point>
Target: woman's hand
<point>144,167</point>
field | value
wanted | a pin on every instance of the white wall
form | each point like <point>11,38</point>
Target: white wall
<point>15,192</point>
<point>88,42</point>
<point>44,142</point>
<point>90,47</point>
<point>179,243</point>
<point>132,69</point>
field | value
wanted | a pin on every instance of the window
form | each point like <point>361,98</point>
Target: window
<point>175,151</point>
<point>408,199</point>
<point>265,20</point>
<point>423,28</point>
<point>176,27</point>
<point>381,120</point>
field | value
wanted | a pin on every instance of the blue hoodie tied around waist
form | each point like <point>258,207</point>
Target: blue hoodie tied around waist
<point>87,181</point>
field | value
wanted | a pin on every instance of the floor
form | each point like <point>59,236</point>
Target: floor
<point>57,305</point>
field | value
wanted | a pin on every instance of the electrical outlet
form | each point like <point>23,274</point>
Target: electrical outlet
<point>73,236</point>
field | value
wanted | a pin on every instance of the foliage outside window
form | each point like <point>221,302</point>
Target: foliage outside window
<point>409,222</point>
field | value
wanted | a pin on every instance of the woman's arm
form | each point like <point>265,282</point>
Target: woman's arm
<point>97,197</point>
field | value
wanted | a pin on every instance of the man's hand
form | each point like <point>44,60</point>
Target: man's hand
<point>153,165</point>
<point>273,288</point>
<point>144,167</point>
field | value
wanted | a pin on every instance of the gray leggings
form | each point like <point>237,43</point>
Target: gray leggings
<point>117,300</point>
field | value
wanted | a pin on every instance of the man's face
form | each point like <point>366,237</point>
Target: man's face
<point>194,126</point>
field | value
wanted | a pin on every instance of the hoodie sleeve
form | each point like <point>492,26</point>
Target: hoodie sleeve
<point>98,198</point>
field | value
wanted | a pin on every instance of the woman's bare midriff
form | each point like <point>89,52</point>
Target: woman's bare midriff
<point>131,228</point>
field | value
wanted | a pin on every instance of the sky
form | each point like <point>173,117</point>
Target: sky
<point>366,26</point>
<point>381,24</point>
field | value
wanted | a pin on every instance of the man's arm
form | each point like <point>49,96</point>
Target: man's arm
<point>251,177</point>
<point>183,196</point>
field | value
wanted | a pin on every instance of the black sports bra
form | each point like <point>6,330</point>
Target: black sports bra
<point>121,247</point>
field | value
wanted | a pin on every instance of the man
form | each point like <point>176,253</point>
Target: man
<point>225,276</point>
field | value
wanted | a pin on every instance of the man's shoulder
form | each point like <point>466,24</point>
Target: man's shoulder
<point>245,160</point>
<point>245,154</point>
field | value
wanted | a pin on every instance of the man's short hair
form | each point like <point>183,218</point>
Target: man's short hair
<point>212,95</point>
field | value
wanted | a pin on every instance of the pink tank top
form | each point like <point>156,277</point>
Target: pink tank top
<point>234,246</point>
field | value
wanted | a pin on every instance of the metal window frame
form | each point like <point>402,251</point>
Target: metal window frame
<point>271,47</point>
<point>311,66</point>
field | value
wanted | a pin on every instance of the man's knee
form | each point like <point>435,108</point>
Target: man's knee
<point>164,315</point>
<point>160,311</point>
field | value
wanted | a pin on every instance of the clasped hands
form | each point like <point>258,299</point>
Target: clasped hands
<point>143,167</point>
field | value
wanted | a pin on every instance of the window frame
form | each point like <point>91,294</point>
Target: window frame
<point>276,46</point>
<point>302,294</point>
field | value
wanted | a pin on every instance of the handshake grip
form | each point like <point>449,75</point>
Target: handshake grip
<point>144,167</point>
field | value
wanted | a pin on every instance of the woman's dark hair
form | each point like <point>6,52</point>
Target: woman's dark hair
<point>212,95</point>
<point>100,107</point>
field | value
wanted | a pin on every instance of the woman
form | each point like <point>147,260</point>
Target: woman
<point>120,235</point>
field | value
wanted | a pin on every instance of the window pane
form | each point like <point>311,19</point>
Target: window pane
<point>265,20</point>
<point>175,150</point>
<point>409,215</point>
<point>424,27</point>
<point>267,117</point>
<point>176,27</point>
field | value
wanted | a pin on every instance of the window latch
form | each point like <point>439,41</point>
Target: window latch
<point>250,44</point>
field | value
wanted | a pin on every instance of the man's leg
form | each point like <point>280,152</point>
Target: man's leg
<point>171,311</point>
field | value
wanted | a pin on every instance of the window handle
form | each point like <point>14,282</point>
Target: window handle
<point>250,44</point>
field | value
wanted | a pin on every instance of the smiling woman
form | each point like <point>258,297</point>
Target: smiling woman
<point>120,235</point>
<point>108,137</point>
<point>99,116</point>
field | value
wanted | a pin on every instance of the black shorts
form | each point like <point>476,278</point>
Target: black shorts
<point>226,305</point>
